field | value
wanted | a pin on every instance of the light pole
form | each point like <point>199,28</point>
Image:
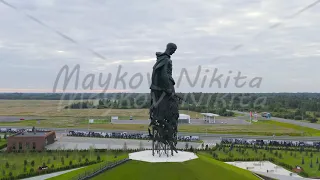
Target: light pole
<point>88,124</point>
<point>188,106</point>
<point>134,102</point>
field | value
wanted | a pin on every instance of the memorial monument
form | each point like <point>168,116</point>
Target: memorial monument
<point>164,114</point>
<point>164,111</point>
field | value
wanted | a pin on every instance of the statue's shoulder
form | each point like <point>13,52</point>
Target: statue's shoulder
<point>162,60</point>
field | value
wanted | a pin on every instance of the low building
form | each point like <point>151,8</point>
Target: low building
<point>30,141</point>
<point>184,119</point>
<point>114,118</point>
<point>208,117</point>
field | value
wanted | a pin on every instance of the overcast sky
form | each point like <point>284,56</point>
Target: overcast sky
<point>41,36</point>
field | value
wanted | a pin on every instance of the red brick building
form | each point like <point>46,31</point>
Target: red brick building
<point>30,140</point>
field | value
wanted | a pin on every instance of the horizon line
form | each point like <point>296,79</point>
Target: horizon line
<point>17,90</point>
<point>58,91</point>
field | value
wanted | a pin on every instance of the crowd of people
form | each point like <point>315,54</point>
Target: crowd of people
<point>271,142</point>
<point>124,135</point>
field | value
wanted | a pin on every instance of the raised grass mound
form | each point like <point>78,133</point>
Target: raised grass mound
<point>203,168</point>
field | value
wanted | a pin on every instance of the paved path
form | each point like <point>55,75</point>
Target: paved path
<point>267,168</point>
<point>17,118</point>
<point>229,120</point>
<point>47,176</point>
<point>282,177</point>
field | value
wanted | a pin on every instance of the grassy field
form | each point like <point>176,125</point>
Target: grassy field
<point>3,142</point>
<point>89,168</point>
<point>14,162</point>
<point>56,116</point>
<point>203,168</point>
<point>293,159</point>
<point>304,130</point>
<point>260,128</point>
<point>55,108</point>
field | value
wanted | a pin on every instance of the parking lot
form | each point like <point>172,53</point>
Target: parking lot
<point>67,142</point>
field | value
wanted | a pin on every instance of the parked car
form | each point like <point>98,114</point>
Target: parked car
<point>124,135</point>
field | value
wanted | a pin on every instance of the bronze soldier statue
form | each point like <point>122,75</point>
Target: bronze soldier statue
<point>164,111</point>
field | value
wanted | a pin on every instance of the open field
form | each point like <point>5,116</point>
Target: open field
<point>56,116</point>
<point>203,168</point>
<point>305,130</point>
<point>293,158</point>
<point>14,163</point>
<point>55,108</point>
<point>261,128</point>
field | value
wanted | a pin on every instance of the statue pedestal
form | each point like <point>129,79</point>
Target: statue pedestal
<point>146,156</point>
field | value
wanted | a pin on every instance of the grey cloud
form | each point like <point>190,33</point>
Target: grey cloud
<point>124,31</point>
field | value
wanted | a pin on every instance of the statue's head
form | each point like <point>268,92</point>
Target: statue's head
<point>171,48</point>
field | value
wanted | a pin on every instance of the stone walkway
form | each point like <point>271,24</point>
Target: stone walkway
<point>47,176</point>
<point>268,169</point>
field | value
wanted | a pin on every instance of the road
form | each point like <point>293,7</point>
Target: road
<point>203,136</point>
<point>47,176</point>
<point>17,118</point>
<point>231,120</point>
<point>291,121</point>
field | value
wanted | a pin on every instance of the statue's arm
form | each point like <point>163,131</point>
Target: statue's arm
<point>165,77</point>
<point>170,66</point>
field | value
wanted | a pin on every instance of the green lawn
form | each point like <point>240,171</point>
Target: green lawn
<point>14,162</point>
<point>262,127</point>
<point>89,168</point>
<point>305,131</point>
<point>203,168</point>
<point>96,121</point>
<point>2,142</point>
<point>292,158</point>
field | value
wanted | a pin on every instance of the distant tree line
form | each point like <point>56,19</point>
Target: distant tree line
<point>81,105</point>
<point>134,102</point>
